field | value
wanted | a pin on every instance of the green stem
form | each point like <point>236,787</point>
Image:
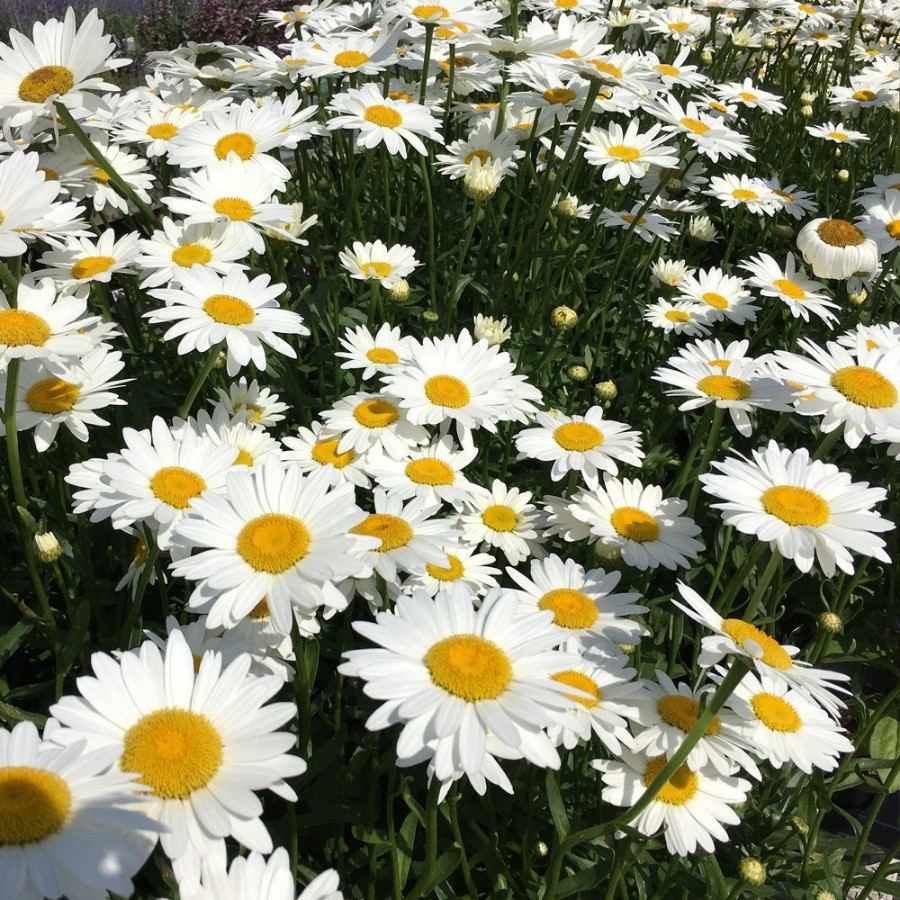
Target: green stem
<point>431,840</point>
<point>136,601</point>
<point>301,689</point>
<point>762,583</point>
<point>429,208</point>
<point>723,692</point>
<point>426,61</point>
<point>102,162</point>
<point>827,443</point>
<point>200,380</point>
<point>9,281</point>
<point>712,444</point>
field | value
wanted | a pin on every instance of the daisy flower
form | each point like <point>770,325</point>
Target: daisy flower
<point>708,135</point>
<point>782,726</point>
<point>796,203</point>
<point>594,619</point>
<point>676,72</point>
<point>739,389</point>
<point>257,405</point>
<point>171,721</point>
<point>252,444</point>
<point>96,185</point>
<point>366,422</point>
<point>648,227</point>
<point>227,191</point>
<point>208,308</point>
<point>858,389</point>
<point>648,530</point>
<point>84,261</point>
<point>352,54</point>
<point>882,221</point>
<point>375,260</point>
<point>681,317</point>
<point>753,193</point>
<point>666,712</point>
<point>403,537</point>
<point>587,444</point>
<point>678,23</point>
<point>740,638</point>
<point>70,826</point>
<point>42,325</point>
<point>69,395</point>
<point>272,533</point>
<point>168,253</point>
<point>837,249</point>
<point>475,571</point>
<point>691,807</point>
<point>718,295</point>
<point>379,119</point>
<point>155,127</point>
<point>800,294</point>
<point>60,62</point>
<point>375,355</point>
<point>627,154</point>
<point>451,673</point>
<point>807,509</point>
<point>315,448</point>
<point>838,133</point>
<point>481,144</point>
<point>506,519</point>
<point>253,877</point>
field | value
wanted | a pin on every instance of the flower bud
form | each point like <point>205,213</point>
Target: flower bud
<point>399,290</point>
<point>706,57</point>
<point>751,871</point>
<point>842,175</point>
<point>838,153</point>
<point>221,359</point>
<point>564,317</point>
<point>831,622</point>
<point>577,373</point>
<point>702,230</point>
<point>799,825</point>
<point>825,895</point>
<point>48,547</point>
<point>430,316</point>
<point>627,649</point>
<point>567,208</point>
<point>608,554</point>
<point>481,181</point>
<point>784,231</point>
<point>857,298</point>
<point>606,390</point>
<point>541,849</point>
<point>494,331</point>
<point>806,111</point>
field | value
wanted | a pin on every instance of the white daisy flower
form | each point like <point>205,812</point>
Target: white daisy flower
<point>208,308</point>
<point>70,826</point>
<point>506,519</point>
<point>587,444</point>
<point>747,94</point>
<point>800,294</point>
<point>836,248</point>
<point>451,673</point>
<point>680,317</point>
<point>796,203</point>
<point>719,296</point>
<point>257,405</point>
<point>475,571</point>
<point>691,807</point>
<point>635,519</point>
<point>351,54</point>
<point>384,352</point>
<point>96,184</point>
<point>594,620</point>
<point>155,127</point>
<point>882,221</point>
<point>709,136</point>
<point>648,227</point>
<point>252,444</point>
<point>315,448</point>
<point>175,727</point>
<point>375,260</point>
<point>627,155</point>
<point>751,193</point>
<point>84,261</point>
<point>837,133</point>
<point>782,726</point>
<point>272,533</point>
<point>481,144</point>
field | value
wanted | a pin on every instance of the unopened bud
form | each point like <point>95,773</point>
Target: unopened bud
<point>752,871</point>
<point>430,316</point>
<point>221,359</point>
<point>567,208</point>
<point>541,848</point>
<point>674,185</point>
<point>806,111</point>
<point>606,390</point>
<point>481,181</point>
<point>799,825</point>
<point>838,153</point>
<point>825,895</point>
<point>831,622</point>
<point>564,317</point>
<point>842,175</point>
<point>399,290</point>
<point>857,298</point>
<point>784,231</point>
<point>48,547</point>
<point>577,373</point>
<point>627,649</point>
<point>706,57</point>
<point>607,553</point>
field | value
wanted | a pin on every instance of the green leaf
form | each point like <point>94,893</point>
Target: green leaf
<point>583,880</point>
<point>885,740</point>
<point>557,806</point>
<point>405,845</point>
<point>27,519</point>
<point>13,637</point>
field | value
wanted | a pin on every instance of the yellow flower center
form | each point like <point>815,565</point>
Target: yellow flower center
<point>383,116</point>
<point>273,542</point>
<point>865,387</point>
<point>237,142</point>
<point>188,255</point>
<point>744,194</point>
<point>606,68</point>
<point>578,436</point>
<point>431,12</point>
<point>243,458</point>
<point>893,229</point>
<point>820,35</point>
<point>790,288</point>
<point>392,531</point>
<point>446,390</point>
<point>469,667</point>
<point>163,131</point>
<point>350,59</point>
<point>261,610</point>
<point>559,96</point>
<point>787,196</point>
<point>382,356</point>
<point>796,505</point>
<point>34,803</point>
<point>672,71</point>
<point>140,552</point>
<point>459,62</point>
<point>566,4</point>
<point>325,454</point>
<point>453,572</point>
<point>682,712</point>
<point>679,789</point>
<point>374,413</point>
<point>376,269</point>
<point>695,125</point>
<point>91,266</point>
<point>716,301</point>
<point>570,608</point>
<point>20,328</point>
<point>255,412</point>
<point>45,82</point>
<point>100,176</point>
<point>634,524</point>
<point>775,713</point>
<point>174,751</point>
<point>234,208</point>
<point>805,7</point>
<point>500,518</point>
<point>747,97</point>
<point>724,387</point>
<point>581,682</point>
<point>626,154</point>
<point>865,96</point>
<point>722,364</point>
<point>569,54</point>
<point>839,233</point>
<point>430,471</point>
<point>228,310</point>
<point>719,107</point>
<point>773,655</point>
<point>677,315</point>
<point>177,486</point>
<point>49,175</point>
<point>679,26</point>
<point>484,155</point>
<point>52,395</point>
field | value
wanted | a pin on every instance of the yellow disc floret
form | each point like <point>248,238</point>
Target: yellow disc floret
<point>682,712</point>
<point>796,505</point>
<point>570,608</point>
<point>20,328</point>
<point>578,436</point>
<point>447,390</point>
<point>775,713</point>
<point>469,667</point>
<point>679,789</point>
<point>177,486</point>
<point>773,654</point>
<point>273,542</point>
<point>865,387</point>
<point>34,804</point>
<point>634,524</point>
<point>228,310</point>
<point>392,531</point>
<point>45,82</point>
<point>52,396</point>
